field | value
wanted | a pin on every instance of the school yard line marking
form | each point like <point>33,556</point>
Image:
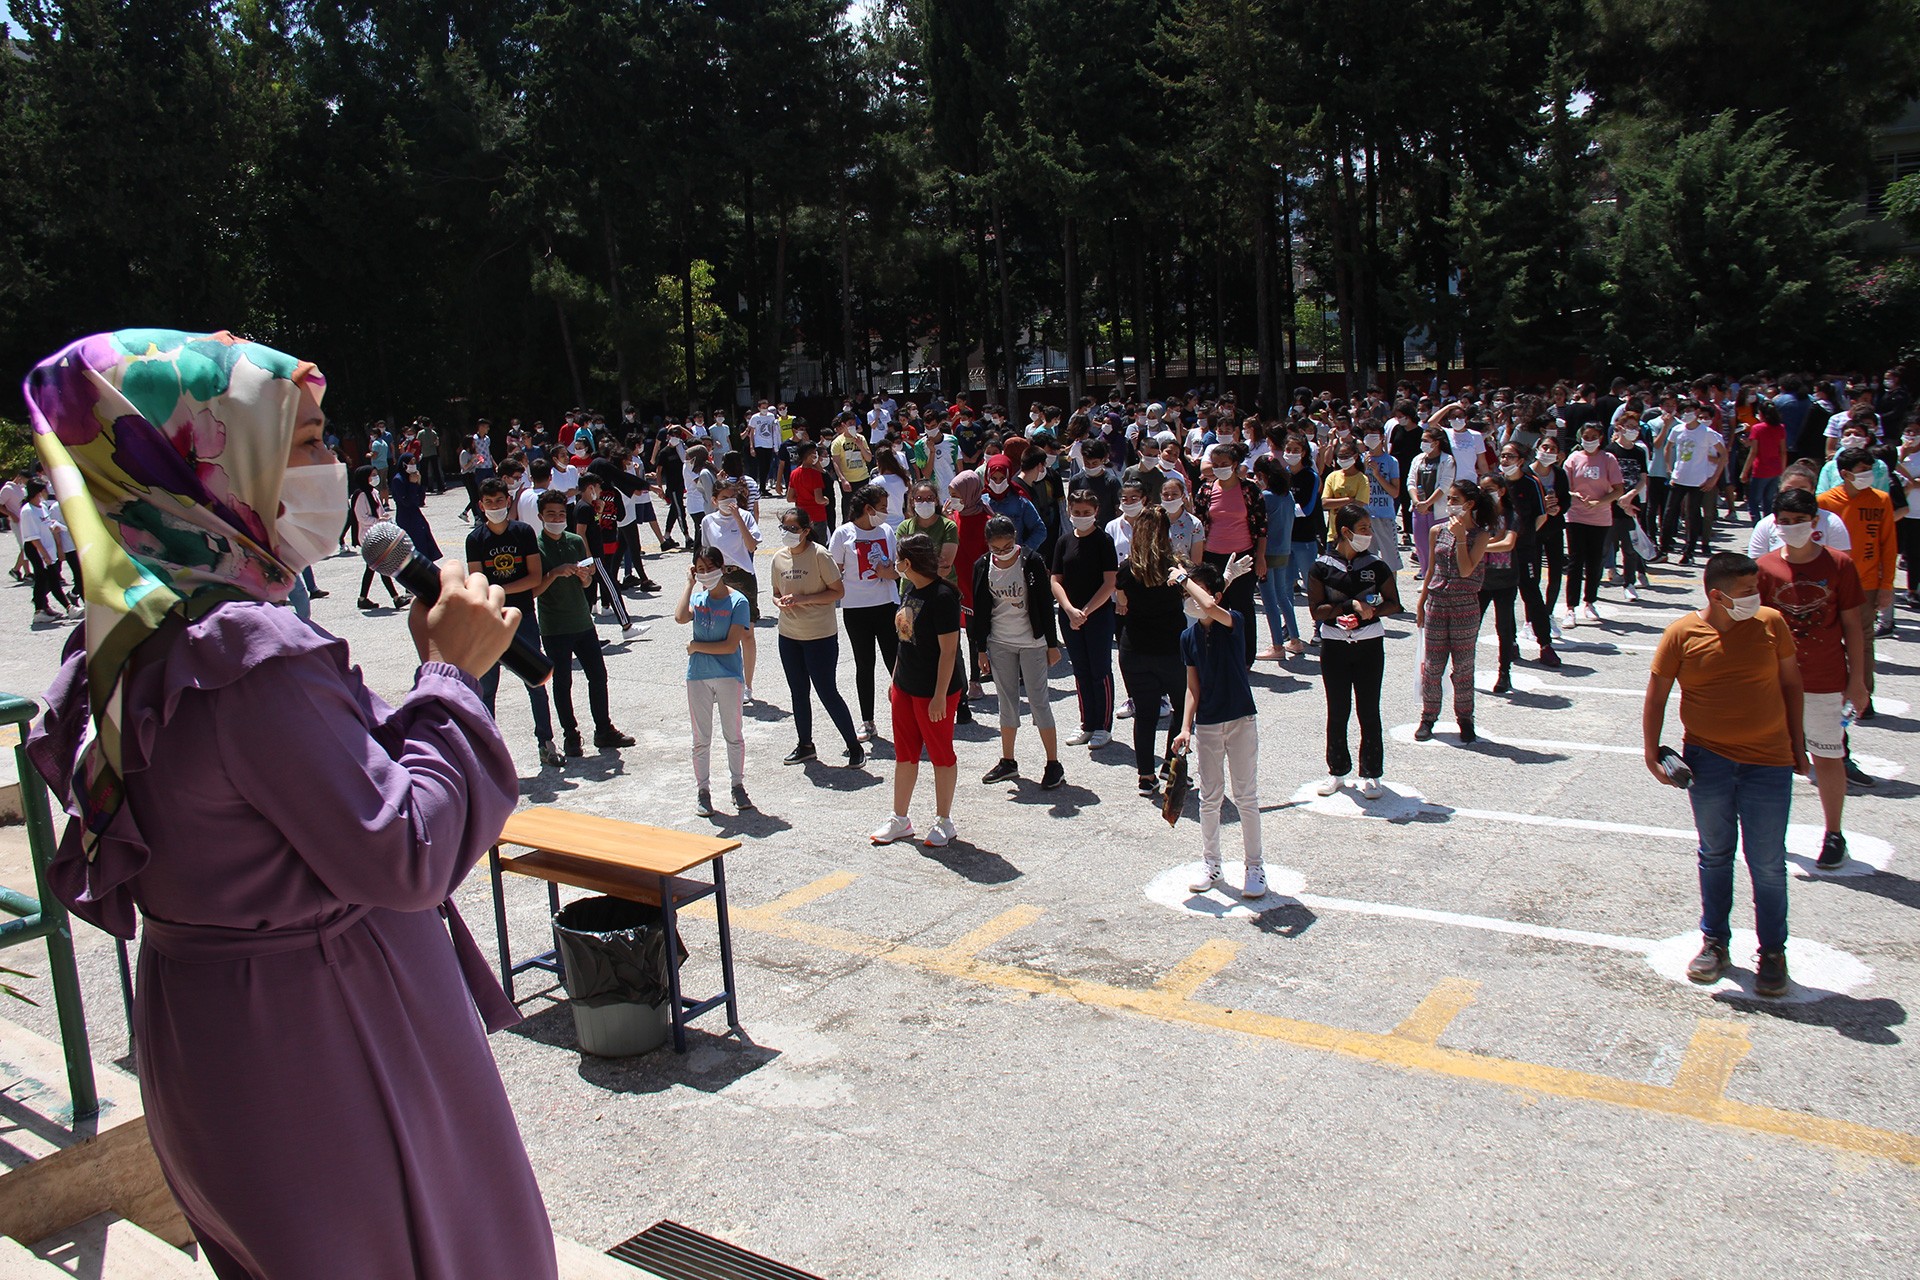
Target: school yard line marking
<point>1696,1101</point>
<point>1572,644</point>
<point>1198,969</point>
<point>1009,922</point>
<point>1404,733</point>
<point>1715,1050</point>
<point>1433,1015</point>
<point>1490,924</point>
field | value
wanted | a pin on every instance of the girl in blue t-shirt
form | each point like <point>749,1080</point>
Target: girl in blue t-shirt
<point>716,672</point>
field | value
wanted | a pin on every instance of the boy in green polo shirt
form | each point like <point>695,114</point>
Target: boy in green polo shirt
<point>566,626</point>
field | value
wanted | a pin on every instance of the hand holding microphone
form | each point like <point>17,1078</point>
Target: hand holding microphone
<point>457,617</point>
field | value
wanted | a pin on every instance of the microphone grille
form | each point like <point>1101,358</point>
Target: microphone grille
<point>386,547</point>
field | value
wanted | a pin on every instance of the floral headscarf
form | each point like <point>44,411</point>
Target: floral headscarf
<point>166,450</point>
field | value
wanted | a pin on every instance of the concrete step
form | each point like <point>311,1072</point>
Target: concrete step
<point>108,1247</point>
<point>17,1262</point>
<point>577,1262</point>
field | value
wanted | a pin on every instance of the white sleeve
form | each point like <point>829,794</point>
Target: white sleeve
<point>1833,532</point>
<point>1761,540</point>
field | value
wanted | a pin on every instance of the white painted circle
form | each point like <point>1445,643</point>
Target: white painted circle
<point>1172,888</point>
<point>1865,854</point>
<point>1399,803</point>
<point>1878,766</point>
<point>1892,706</point>
<point>1818,971</point>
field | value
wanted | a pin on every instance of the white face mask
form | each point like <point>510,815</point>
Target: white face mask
<point>1294,459</point>
<point>729,505</point>
<point>1431,448</point>
<point>1510,470</point>
<point>1796,535</point>
<point>1132,509</point>
<point>1372,442</point>
<point>1548,457</point>
<point>1096,468</point>
<point>1455,510</point>
<point>1860,480</point>
<point>554,528</point>
<point>1223,473</point>
<point>1006,558</point>
<point>1590,444</point>
<point>709,578</point>
<point>791,537</point>
<point>1359,541</point>
<point>313,500</point>
<point>494,515</point>
<point>1081,524</point>
<point>1172,506</point>
<point>998,487</point>
<point>1743,607</point>
<point>924,510</point>
<point>1194,610</point>
<point>1348,464</point>
<point>1853,442</point>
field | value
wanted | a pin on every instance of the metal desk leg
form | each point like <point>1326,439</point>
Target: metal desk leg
<point>553,909</point>
<point>500,920</point>
<point>669,918</point>
<point>726,939</point>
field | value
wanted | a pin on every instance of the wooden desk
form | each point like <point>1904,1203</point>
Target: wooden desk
<point>623,860</point>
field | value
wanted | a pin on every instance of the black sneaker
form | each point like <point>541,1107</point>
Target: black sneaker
<point>318,595</point>
<point>550,756</point>
<point>1148,784</point>
<point>856,756</point>
<point>741,800</point>
<point>608,736</point>
<point>668,544</point>
<point>1770,975</point>
<point>1002,771</point>
<point>1425,732</point>
<point>1858,777</point>
<point>1833,851</point>
<point>1052,776</point>
<point>703,803</point>
<point>1548,658</point>
<point>1710,963</point>
<point>965,713</point>
<point>1503,683</point>
<point>1466,732</point>
<point>572,745</point>
<point>800,754</point>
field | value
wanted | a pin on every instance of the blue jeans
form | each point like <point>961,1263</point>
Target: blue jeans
<point>815,663</point>
<point>1760,496</point>
<point>1090,650</point>
<point>1272,587</point>
<point>1744,805</point>
<point>1295,581</point>
<point>536,694</point>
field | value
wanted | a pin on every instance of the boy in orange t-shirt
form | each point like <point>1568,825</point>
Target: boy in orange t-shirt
<point>1871,521</point>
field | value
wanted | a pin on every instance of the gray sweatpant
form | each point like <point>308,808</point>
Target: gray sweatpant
<point>1014,669</point>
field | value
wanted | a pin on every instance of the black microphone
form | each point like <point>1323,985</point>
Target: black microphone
<point>388,550</point>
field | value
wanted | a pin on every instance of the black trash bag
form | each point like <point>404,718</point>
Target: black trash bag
<point>613,951</point>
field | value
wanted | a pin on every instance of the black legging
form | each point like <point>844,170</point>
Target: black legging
<point>1908,533</point>
<point>1692,501</point>
<point>1148,678</point>
<point>868,626</point>
<point>1538,611</point>
<point>1501,598</point>
<point>366,585</point>
<point>1239,596</point>
<point>1352,672</point>
<point>1586,547</point>
<point>46,579</point>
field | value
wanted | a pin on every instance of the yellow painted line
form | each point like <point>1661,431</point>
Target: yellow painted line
<point>1198,969</point>
<point>975,941</point>
<point>1707,1066</point>
<point>1433,1015</point>
<point>1169,1004</point>
<point>806,893</point>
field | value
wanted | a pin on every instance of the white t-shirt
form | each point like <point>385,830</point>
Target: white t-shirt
<point>766,430</point>
<point>527,509</point>
<point>35,527</point>
<point>1469,448</point>
<point>859,552</point>
<point>896,497</point>
<point>719,432</point>
<point>566,479</point>
<point>878,419</point>
<point>1693,449</point>
<point>723,531</point>
<point>1122,534</point>
<point>1012,625</point>
<point>1828,531</point>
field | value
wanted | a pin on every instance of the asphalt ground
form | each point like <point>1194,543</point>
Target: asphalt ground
<point>1453,1042</point>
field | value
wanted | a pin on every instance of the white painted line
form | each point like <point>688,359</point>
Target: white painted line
<point>1574,644</point>
<point>1449,737</point>
<point>1639,946</point>
<point>1528,682</point>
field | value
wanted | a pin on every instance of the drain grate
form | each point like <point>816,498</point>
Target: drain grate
<point>674,1252</point>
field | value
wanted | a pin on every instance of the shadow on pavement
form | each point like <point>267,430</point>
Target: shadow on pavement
<point>970,862</point>
<point>710,1064</point>
<point>1868,1021</point>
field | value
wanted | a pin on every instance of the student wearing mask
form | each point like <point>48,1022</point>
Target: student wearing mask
<point>1697,454</point>
<point>507,552</point>
<point>1040,484</point>
<point>1301,544</point>
<point>1433,473</point>
<point>1525,497</point>
<point>1218,721</point>
<point>1349,591</point>
<point>1740,708</point>
<point>1828,529</point>
<point>1005,499</point>
<point>1345,483</point>
<point>369,507</point>
<point>1012,628</point>
<point>1235,516</point>
<point>566,627</point>
<point>1084,570</point>
<point>1869,515</point>
<point>865,551</point>
<point>1404,436</point>
<point>1186,536</point>
<point>1151,605</point>
<point>1448,611</point>
<point>716,674</point>
<point>1097,478</point>
<point>927,681</point>
<point>1908,532</point>
<point>42,547</point>
<point>1818,592</point>
<point>1502,581</point>
<point>1856,434</point>
<point>1626,449</point>
<point>1595,481</point>
<point>807,590</point>
<point>1271,478</point>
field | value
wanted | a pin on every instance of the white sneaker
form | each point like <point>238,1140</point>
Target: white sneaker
<point>633,629</point>
<point>940,833</point>
<point>1589,614</point>
<point>1256,884</point>
<point>1166,707</point>
<point>866,733</point>
<point>1100,739</point>
<point>41,615</point>
<point>1329,785</point>
<point>1370,789</point>
<point>895,828</point>
<point>1631,593</point>
<point>1079,737</point>
<point>1125,712</point>
<point>746,693</point>
<point>1553,627</point>
<point>77,610</point>
<point>1570,619</point>
<point>1208,881</point>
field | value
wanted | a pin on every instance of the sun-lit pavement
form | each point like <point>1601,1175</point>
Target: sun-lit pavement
<point>1455,1041</point>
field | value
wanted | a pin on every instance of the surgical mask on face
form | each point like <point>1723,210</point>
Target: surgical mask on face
<point>729,505</point>
<point>313,501</point>
<point>1796,535</point>
<point>1006,558</point>
<point>1456,510</point>
<point>1359,541</point>
<point>1096,468</point>
<point>1549,457</point>
<point>1860,480</point>
<point>790,537</point>
<point>494,515</point>
<point>924,510</point>
<point>998,487</point>
<point>709,578</point>
<point>1172,506</point>
<point>1294,457</point>
<point>1853,442</point>
<point>1348,462</point>
<point>554,528</point>
<point>1132,509</point>
<point>1743,607</point>
<point>1372,442</point>
<point>1590,443</point>
<point>1194,610</point>
<point>1223,473</point>
<point>1511,470</point>
<point>1083,524</point>
<point>1431,448</point>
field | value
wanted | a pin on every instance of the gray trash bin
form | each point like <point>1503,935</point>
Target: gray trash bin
<point>614,956</point>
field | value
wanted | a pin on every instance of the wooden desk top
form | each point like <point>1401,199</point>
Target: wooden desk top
<point>631,845</point>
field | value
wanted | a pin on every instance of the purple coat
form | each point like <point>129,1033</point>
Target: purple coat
<point>316,1078</point>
